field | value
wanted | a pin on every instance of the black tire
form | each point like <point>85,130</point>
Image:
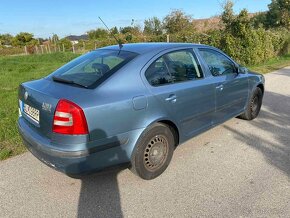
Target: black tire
<point>153,151</point>
<point>253,106</point>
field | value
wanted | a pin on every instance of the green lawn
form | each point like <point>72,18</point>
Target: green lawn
<point>13,71</point>
<point>17,69</point>
<point>272,65</point>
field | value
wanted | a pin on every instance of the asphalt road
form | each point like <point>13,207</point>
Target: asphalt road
<point>239,169</point>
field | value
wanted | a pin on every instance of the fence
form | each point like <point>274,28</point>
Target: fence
<point>81,47</point>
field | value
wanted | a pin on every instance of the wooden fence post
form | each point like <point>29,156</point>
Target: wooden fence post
<point>49,48</point>
<point>41,47</point>
<point>25,50</point>
<point>73,48</point>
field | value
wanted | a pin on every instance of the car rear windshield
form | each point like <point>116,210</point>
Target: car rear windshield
<point>91,69</point>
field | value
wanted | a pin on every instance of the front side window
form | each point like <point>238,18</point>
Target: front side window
<point>218,64</point>
<point>174,67</point>
<point>92,67</point>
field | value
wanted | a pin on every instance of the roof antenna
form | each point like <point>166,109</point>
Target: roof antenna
<point>118,41</point>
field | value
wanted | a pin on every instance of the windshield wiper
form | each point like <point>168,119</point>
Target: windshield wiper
<point>61,80</point>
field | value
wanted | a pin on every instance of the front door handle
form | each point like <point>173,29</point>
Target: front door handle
<point>171,98</point>
<point>220,87</point>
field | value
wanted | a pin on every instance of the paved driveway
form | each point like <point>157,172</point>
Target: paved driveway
<point>237,169</point>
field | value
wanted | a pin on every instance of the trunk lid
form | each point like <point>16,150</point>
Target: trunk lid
<point>38,100</point>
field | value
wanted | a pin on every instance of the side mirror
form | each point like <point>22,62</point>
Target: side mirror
<point>242,70</point>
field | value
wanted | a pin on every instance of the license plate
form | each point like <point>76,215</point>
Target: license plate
<point>31,112</point>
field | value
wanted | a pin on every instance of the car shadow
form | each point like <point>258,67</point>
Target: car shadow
<point>274,119</point>
<point>99,194</point>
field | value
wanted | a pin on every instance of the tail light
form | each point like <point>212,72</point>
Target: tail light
<point>69,119</point>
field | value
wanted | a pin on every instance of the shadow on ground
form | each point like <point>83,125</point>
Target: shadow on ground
<point>99,196</point>
<point>274,118</point>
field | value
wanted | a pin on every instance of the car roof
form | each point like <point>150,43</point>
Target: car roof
<point>142,48</point>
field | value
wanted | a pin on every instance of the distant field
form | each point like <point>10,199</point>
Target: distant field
<point>14,71</point>
<point>18,69</point>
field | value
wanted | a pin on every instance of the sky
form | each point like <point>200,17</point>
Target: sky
<point>65,17</point>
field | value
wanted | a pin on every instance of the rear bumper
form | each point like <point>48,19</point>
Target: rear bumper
<point>104,153</point>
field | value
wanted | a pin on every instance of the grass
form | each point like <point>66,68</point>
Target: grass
<point>272,65</point>
<point>18,69</point>
<point>14,71</point>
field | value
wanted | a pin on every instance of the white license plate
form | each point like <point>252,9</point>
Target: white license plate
<point>31,112</point>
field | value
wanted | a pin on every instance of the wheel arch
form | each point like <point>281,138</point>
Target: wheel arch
<point>173,127</point>
<point>261,86</point>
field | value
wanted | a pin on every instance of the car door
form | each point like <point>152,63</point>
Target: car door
<point>177,81</point>
<point>231,88</point>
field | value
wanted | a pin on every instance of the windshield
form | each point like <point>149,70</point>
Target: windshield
<point>92,68</point>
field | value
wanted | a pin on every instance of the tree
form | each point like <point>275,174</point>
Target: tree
<point>135,30</point>
<point>235,25</point>
<point>54,38</point>
<point>259,20</point>
<point>228,16</point>
<point>6,39</point>
<point>66,43</point>
<point>243,42</point>
<point>278,14</point>
<point>153,26</point>
<point>98,33</point>
<point>23,38</point>
<point>177,21</point>
<point>114,30</point>
<point>241,24</point>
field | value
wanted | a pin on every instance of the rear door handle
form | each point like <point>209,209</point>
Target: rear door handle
<point>171,98</point>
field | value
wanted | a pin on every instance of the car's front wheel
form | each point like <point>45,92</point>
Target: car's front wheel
<point>153,152</point>
<point>253,106</point>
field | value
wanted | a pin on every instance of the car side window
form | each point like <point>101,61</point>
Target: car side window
<point>218,64</point>
<point>157,74</point>
<point>174,67</point>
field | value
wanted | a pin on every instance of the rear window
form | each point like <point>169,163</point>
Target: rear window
<point>92,68</point>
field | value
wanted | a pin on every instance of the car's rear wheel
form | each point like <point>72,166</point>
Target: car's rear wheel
<point>153,151</point>
<point>253,106</point>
